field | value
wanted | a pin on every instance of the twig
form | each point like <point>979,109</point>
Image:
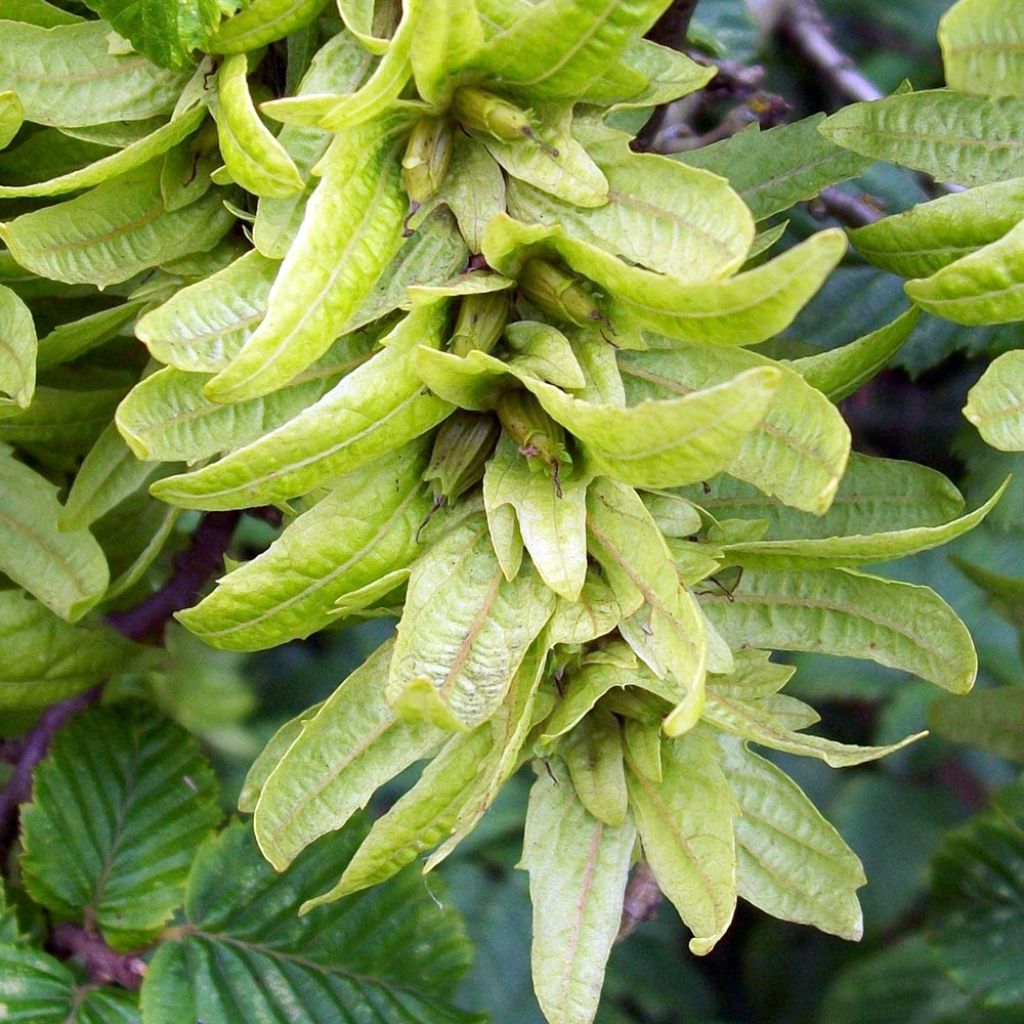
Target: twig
<point>33,749</point>
<point>10,751</point>
<point>192,568</point>
<point>803,24</point>
<point>851,210</point>
<point>671,28</point>
<point>641,901</point>
<point>103,963</point>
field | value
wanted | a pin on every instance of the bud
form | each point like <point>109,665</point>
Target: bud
<point>540,439</point>
<point>559,294</point>
<point>480,322</point>
<point>426,161</point>
<point>462,447</point>
<point>482,111</point>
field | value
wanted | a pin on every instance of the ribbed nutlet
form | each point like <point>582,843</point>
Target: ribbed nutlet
<point>559,294</point>
<point>462,447</point>
<point>540,439</point>
<point>483,111</point>
<point>426,160</point>
<point>480,322</point>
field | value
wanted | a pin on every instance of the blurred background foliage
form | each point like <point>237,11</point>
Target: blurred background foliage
<point>940,826</point>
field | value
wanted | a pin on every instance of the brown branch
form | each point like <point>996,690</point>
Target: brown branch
<point>34,747</point>
<point>851,210</point>
<point>671,28</point>
<point>103,963</point>
<point>193,567</point>
<point>804,26</point>
<point>641,900</point>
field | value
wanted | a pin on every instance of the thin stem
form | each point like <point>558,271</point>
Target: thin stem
<point>104,964</point>
<point>803,24</point>
<point>193,567</point>
<point>34,747</point>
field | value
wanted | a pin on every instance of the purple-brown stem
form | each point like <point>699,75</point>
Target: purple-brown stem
<point>104,964</point>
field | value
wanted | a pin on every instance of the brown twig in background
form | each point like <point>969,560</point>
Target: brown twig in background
<point>804,26</point>
<point>641,900</point>
<point>103,963</point>
<point>853,211</point>
<point>193,567</point>
<point>33,749</point>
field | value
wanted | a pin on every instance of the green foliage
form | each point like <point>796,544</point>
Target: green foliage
<point>338,241</point>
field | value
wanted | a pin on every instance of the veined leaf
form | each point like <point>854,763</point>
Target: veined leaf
<point>353,745</point>
<point>66,76</point>
<point>363,530</point>
<point>253,157</point>
<point>670,218</point>
<point>119,162</point>
<point>35,986</point>
<point>578,869</point>
<point>618,670</point>
<point>43,659</point>
<point>18,345</point>
<point>266,761</point>
<point>837,611</point>
<point>261,22</point>
<point>64,418</point>
<point>742,310</point>
<point>69,341</point>
<point>995,405</point>
<point>361,18</point>
<point>510,729</point>
<point>754,677</point>
<point>930,236</point>
<point>686,828</point>
<point>839,372</point>
<point>331,436</point>
<point>12,117</point>
<point>990,719</point>
<point>552,524</point>
<point>389,955</point>
<point>37,12</point>
<point>114,231</point>
<point>552,159</point>
<point>473,189</point>
<point>984,287</point>
<point>204,326</point>
<point>109,474</point>
<point>111,830</point>
<point>982,45</point>
<point>448,36</point>
<point>669,75</point>
<point>422,817</point>
<point>595,613</point>
<point>978,894</point>
<point>874,496</point>
<point>379,93</point>
<point>670,637</point>
<point>797,451</point>
<point>340,65</point>
<point>557,48</point>
<point>791,863</point>
<point>66,571</point>
<point>667,441</point>
<point>969,139</point>
<point>752,721</point>
<point>593,753</point>
<point>776,169</point>
<point>856,549</point>
<point>168,417</point>
<point>326,274</point>
<point>459,611</point>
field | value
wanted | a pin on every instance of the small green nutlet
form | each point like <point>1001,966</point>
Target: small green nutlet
<point>540,439</point>
<point>426,160</point>
<point>482,111</point>
<point>559,294</point>
<point>462,447</point>
<point>480,322</point>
